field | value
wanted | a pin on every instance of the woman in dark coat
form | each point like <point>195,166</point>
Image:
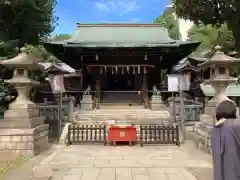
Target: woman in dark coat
<point>225,143</point>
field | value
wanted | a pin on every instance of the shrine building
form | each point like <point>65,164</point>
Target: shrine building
<point>115,59</point>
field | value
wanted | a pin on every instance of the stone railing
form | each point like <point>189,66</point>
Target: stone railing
<point>202,137</point>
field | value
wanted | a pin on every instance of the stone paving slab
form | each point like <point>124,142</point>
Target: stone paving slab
<point>124,173</point>
<point>86,162</point>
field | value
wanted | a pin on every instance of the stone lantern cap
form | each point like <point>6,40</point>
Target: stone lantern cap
<point>22,60</point>
<point>219,58</point>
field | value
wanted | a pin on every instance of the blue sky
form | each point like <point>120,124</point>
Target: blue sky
<point>71,12</point>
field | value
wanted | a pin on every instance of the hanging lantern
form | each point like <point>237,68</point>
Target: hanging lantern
<point>116,69</point>
<point>105,69</point>
<point>145,57</point>
<point>127,69</point>
<point>139,70</point>
<point>134,70</point>
<point>112,70</point>
<point>145,70</point>
<point>97,58</point>
<point>122,70</point>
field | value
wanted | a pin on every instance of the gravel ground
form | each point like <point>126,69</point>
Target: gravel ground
<point>6,166</point>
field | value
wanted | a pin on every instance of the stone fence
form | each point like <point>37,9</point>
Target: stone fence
<point>201,136</point>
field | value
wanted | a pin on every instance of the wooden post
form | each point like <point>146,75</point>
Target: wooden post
<point>145,88</point>
<point>81,80</point>
<point>98,88</point>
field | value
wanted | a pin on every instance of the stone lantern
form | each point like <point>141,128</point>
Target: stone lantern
<point>219,79</point>
<point>22,131</point>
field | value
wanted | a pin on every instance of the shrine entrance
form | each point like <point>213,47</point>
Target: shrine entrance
<point>119,82</point>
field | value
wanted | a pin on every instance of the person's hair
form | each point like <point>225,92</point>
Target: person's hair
<point>226,110</point>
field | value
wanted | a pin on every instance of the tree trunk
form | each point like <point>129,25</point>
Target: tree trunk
<point>235,27</point>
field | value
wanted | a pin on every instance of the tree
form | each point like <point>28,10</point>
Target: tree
<point>212,12</point>
<point>61,37</point>
<point>22,22</point>
<point>169,21</point>
<point>26,20</point>
<point>211,36</point>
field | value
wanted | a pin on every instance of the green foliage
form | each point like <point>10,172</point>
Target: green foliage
<point>26,20</point>
<point>168,21</point>
<point>212,12</point>
<point>211,36</point>
<point>23,23</point>
<point>61,37</point>
<point>208,12</point>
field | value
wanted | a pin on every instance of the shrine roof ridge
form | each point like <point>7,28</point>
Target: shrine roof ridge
<point>119,25</point>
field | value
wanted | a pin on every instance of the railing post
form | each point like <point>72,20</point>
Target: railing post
<point>105,133</point>
<point>69,135</point>
<point>141,135</point>
<point>70,108</point>
<point>177,136</point>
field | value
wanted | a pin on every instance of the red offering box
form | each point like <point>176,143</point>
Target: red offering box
<point>122,133</point>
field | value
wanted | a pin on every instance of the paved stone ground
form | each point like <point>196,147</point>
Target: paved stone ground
<point>94,162</point>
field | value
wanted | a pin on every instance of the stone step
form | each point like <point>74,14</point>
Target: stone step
<point>123,113</point>
<point>121,106</point>
<point>122,110</point>
<point>124,121</point>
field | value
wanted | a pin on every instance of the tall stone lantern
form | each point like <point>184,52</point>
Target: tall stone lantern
<point>219,79</point>
<point>22,131</point>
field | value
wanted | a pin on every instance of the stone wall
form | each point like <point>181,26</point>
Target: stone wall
<point>16,143</point>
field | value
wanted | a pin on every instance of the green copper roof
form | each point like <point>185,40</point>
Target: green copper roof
<point>120,35</point>
<point>231,91</point>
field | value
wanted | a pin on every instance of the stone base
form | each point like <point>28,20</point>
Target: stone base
<point>87,102</point>
<point>18,143</point>
<point>21,111</point>
<point>22,122</point>
<point>207,119</point>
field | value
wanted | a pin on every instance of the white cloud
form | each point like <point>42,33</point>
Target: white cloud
<point>120,7</point>
<point>135,20</point>
<point>102,7</point>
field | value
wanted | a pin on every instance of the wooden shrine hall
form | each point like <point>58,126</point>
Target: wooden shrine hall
<point>121,60</point>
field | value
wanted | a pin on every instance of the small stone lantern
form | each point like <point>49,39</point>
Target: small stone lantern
<point>22,130</point>
<point>219,79</point>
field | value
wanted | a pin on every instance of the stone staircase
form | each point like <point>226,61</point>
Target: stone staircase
<point>123,115</point>
<point>119,114</point>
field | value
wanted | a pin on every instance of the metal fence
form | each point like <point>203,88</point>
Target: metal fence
<point>56,114</point>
